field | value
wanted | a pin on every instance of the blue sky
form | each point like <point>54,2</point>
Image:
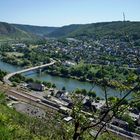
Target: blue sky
<point>64,12</point>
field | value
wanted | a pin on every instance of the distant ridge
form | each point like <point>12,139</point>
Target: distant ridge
<point>113,29</point>
<point>6,29</point>
<point>65,30</point>
<point>9,32</point>
<point>37,30</point>
<point>95,30</point>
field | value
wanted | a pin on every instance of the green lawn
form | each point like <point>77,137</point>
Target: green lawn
<point>17,54</point>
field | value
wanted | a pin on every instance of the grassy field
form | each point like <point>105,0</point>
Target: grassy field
<point>17,54</point>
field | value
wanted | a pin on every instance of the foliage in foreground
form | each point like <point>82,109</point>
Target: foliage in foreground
<point>17,126</point>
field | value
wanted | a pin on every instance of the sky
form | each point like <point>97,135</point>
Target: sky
<point>65,12</point>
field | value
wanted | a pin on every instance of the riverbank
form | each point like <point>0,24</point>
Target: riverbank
<point>115,84</point>
<point>60,82</point>
<point>100,82</point>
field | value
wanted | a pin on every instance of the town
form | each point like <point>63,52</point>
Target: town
<point>27,94</point>
<point>69,70</point>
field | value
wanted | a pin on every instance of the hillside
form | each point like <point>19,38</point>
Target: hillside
<point>65,30</point>
<point>19,126</point>
<point>97,30</point>
<point>37,30</point>
<point>9,32</point>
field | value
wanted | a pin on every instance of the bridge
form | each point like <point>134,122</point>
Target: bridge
<point>8,76</point>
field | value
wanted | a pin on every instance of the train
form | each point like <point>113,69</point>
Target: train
<point>12,97</point>
<point>50,103</point>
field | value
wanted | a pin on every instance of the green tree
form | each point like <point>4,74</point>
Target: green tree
<point>92,94</point>
<point>2,98</point>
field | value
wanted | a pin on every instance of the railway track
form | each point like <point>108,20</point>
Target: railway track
<point>33,100</point>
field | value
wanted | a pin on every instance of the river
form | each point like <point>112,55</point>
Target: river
<point>68,83</point>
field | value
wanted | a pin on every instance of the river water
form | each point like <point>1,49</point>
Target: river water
<point>68,83</point>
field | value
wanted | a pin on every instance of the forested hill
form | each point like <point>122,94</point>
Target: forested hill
<point>9,32</point>
<point>103,29</point>
<point>37,30</point>
<point>94,30</point>
<point>65,30</point>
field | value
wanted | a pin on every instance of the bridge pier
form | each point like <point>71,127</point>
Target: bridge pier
<point>39,71</point>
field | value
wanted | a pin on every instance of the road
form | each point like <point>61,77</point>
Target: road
<point>8,76</point>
